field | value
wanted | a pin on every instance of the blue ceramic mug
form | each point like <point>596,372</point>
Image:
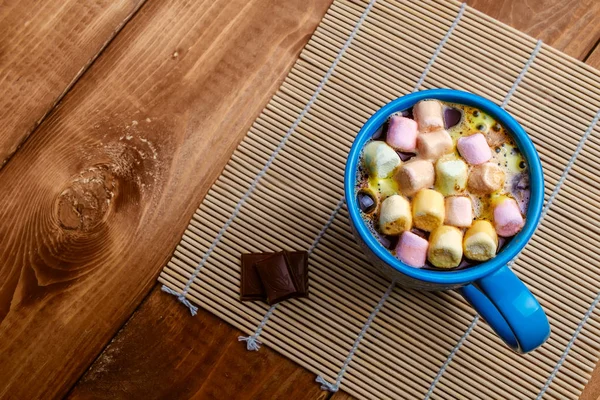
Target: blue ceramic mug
<point>497,294</point>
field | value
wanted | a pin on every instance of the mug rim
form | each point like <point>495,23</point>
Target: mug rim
<point>525,145</point>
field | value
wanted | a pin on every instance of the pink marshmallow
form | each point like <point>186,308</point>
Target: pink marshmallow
<point>508,220</point>
<point>402,133</point>
<point>459,211</point>
<point>474,149</point>
<point>412,249</point>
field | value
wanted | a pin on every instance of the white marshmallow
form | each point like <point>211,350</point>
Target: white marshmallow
<point>481,241</point>
<point>445,247</point>
<point>395,216</point>
<point>380,159</point>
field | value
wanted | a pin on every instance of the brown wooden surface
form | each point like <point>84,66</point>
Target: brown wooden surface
<point>95,201</point>
<point>200,358</point>
<point>113,176</point>
<point>44,47</point>
<point>570,26</point>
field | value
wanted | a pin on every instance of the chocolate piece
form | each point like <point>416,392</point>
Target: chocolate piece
<point>297,262</point>
<point>366,202</point>
<point>251,288</point>
<point>405,156</point>
<point>276,278</point>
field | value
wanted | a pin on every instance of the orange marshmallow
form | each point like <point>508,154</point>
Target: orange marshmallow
<point>415,175</point>
<point>433,145</point>
<point>486,178</point>
<point>429,115</point>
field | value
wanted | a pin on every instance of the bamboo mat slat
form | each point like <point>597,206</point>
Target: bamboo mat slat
<point>283,189</point>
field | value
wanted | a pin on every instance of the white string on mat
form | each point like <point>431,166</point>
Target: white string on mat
<point>590,310</point>
<point>517,82</point>
<point>334,387</point>
<point>473,323</point>
<point>553,195</point>
<point>451,356</point>
<point>182,296</point>
<point>252,342</point>
<point>440,46</point>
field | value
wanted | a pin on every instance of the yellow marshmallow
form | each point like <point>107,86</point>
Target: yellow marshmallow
<point>395,216</point>
<point>428,209</point>
<point>445,247</point>
<point>481,241</point>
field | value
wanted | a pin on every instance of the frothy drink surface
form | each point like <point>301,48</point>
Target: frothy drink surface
<point>502,177</point>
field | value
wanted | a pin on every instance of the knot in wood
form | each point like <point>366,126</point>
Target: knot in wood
<point>86,201</point>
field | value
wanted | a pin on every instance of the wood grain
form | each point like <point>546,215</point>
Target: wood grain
<point>570,26</point>
<point>45,47</point>
<point>116,171</point>
<point>592,389</point>
<point>193,76</point>
<point>207,362</point>
<point>121,369</point>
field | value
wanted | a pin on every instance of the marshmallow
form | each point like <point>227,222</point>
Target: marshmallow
<point>445,247</point>
<point>402,133</point>
<point>414,176</point>
<point>481,241</point>
<point>412,249</point>
<point>395,216</point>
<point>429,115</point>
<point>459,211</point>
<point>508,220</point>
<point>433,145</point>
<point>495,138</point>
<point>428,209</point>
<point>450,176</point>
<point>380,159</point>
<point>474,149</point>
<point>486,178</point>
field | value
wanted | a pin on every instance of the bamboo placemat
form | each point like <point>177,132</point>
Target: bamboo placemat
<point>282,189</point>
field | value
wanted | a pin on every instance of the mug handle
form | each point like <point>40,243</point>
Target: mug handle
<point>510,309</point>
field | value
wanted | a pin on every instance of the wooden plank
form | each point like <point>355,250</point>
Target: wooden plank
<point>44,48</point>
<point>207,361</point>
<point>592,389</point>
<point>94,203</point>
<point>570,26</point>
<point>120,369</point>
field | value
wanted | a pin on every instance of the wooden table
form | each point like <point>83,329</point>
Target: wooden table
<point>116,116</point>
